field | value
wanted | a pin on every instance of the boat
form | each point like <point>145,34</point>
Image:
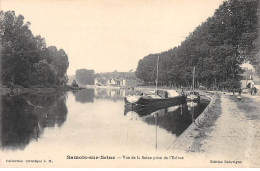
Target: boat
<point>149,111</point>
<point>191,105</point>
<point>153,101</point>
<point>155,98</point>
<point>193,95</point>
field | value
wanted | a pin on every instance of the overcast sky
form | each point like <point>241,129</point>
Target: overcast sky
<point>112,35</point>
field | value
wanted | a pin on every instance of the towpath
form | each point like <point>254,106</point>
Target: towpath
<point>236,133</point>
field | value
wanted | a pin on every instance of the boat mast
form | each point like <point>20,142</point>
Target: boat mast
<point>193,79</point>
<point>156,82</point>
<point>156,124</point>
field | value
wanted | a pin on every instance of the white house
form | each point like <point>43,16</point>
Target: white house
<point>111,82</point>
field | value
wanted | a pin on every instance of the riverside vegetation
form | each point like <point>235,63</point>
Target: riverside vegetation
<point>26,60</point>
<point>217,48</point>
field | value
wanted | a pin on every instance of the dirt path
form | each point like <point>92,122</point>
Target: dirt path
<point>236,133</point>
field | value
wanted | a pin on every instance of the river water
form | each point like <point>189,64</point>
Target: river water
<point>88,121</point>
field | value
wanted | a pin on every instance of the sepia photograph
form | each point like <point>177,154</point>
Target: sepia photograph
<point>129,84</point>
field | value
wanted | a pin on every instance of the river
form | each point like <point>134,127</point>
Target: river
<point>88,121</point>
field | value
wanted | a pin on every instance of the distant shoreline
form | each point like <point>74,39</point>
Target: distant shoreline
<point>35,90</point>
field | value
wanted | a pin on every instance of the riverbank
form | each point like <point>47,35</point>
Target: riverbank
<point>188,141</point>
<point>34,90</point>
<point>229,130</point>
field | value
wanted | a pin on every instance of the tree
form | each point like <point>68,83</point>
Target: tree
<point>19,49</point>
<point>25,58</point>
<point>217,48</point>
<point>60,64</point>
<point>85,76</point>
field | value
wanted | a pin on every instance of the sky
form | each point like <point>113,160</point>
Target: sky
<point>108,35</point>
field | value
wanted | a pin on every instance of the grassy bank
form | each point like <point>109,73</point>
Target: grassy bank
<point>211,114</point>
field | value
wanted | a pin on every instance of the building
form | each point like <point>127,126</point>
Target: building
<point>112,82</point>
<point>247,77</point>
<point>127,82</point>
<point>118,79</point>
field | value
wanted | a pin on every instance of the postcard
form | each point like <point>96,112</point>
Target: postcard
<point>130,84</point>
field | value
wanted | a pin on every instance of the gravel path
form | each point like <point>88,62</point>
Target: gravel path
<point>235,135</point>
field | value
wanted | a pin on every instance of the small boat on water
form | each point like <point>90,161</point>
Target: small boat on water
<point>191,105</point>
<point>193,95</point>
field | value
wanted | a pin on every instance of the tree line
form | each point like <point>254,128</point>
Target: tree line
<point>85,76</point>
<point>217,48</point>
<point>26,60</point>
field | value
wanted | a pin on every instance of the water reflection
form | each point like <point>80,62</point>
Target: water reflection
<point>95,113</point>
<point>88,95</point>
<point>112,94</point>
<point>84,96</point>
<point>174,119</point>
<point>191,107</point>
<point>23,118</point>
